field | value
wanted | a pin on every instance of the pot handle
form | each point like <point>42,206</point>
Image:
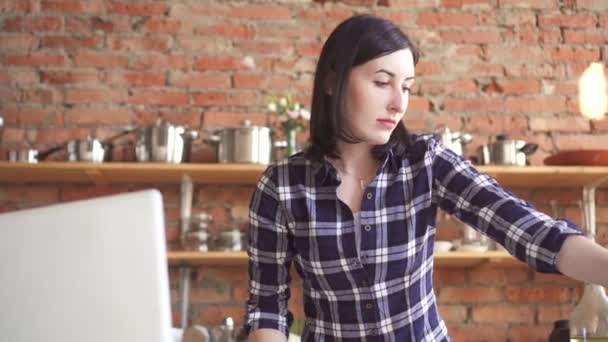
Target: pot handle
<point>528,149</point>
<point>42,155</point>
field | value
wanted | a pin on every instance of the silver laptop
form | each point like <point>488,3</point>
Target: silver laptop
<point>91,270</point>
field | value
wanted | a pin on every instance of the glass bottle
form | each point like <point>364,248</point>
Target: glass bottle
<point>589,319</point>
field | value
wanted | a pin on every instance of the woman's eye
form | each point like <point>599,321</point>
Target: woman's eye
<point>380,83</point>
<point>407,90</point>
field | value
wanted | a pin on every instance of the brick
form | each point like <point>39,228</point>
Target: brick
<point>144,79</point>
<point>97,117</point>
<point>181,10</point>
<point>261,12</point>
<point>59,135</point>
<point>159,44</point>
<point>18,77</point>
<point>453,313</point>
<point>516,18</point>
<point>540,70</point>
<point>519,87</point>
<point>502,53</point>
<point>490,274</point>
<point>161,62</point>
<point>535,105</point>
<point>205,295</point>
<point>76,96</point>
<point>538,294</point>
<point>409,3</point>
<point>599,125</point>
<point>502,314</point>
<point>486,69</point>
<point>213,315</point>
<point>188,118</point>
<point>453,104</point>
<point>42,96</point>
<point>254,81</point>
<point>138,9</point>
<point>468,4</point>
<point>418,104</point>
<point>162,25</point>
<point>198,45</point>
<point>33,24</point>
<point>35,59</point>
<point>471,37</point>
<point>18,42</point>
<point>560,124</point>
<point>446,19</point>
<point>12,135</point>
<point>71,42</point>
<point>499,123</point>
<point>114,24</point>
<point>477,333</point>
<point>100,60</point>
<point>309,49</point>
<point>231,119</point>
<point>552,313</point>
<point>265,48</point>
<point>209,98</point>
<point>217,63</point>
<point>19,7</point>
<point>585,37</point>
<point>470,294</point>
<point>159,97</point>
<point>33,195</point>
<point>569,21</point>
<point>570,53</point>
<point>458,86</point>
<point>243,98</point>
<point>580,141</point>
<point>69,77</point>
<point>530,332</point>
<point>446,276</point>
<point>538,4</point>
<point>229,30</point>
<point>74,6</point>
<point>593,5</point>
<point>551,36</point>
<point>554,279</point>
<point>199,80</point>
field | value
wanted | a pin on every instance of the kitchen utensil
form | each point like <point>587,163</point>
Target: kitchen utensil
<point>455,140</point>
<point>30,155</point>
<point>164,142</point>
<point>231,240</point>
<point>245,144</point>
<point>582,157</point>
<point>505,151</point>
<point>443,246</point>
<point>88,150</point>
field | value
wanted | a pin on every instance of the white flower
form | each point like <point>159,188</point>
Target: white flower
<point>292,114</point>
<point>305,114</point>
<point>296,106</point>
<point>272,107</point>
<point>283,102</point>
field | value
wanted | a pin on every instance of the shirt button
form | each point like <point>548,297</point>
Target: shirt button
<point>368,306</point>
<point>373,331</point>
<point>369,195</point>
<point>367,227</point>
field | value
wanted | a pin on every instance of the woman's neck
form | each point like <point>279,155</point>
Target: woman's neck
<point>356,159</point>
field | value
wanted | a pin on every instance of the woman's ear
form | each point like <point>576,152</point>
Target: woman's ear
<point>330,83</point>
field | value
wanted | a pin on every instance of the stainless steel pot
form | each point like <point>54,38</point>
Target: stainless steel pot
<point>245,144</point>
<point>164,142</point>
<point>506,152</point>
<point>88,150</point>
<point>454,140</point>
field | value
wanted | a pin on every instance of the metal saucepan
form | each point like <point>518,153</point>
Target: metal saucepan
<point>164,142</point>
<point>245,144</point>
<point>454,140</point>
<point>506,152</point>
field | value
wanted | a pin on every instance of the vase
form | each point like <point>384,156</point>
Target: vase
<point>292,142</point>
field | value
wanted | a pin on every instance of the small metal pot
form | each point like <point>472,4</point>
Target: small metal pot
<point>25,155</point>
<point>454,140</point>
<point>88,150</point>
<point>506,152</point>
<point>164,142</point>
<point>245,144</point>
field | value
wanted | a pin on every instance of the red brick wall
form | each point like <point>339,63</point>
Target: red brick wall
<point>75,67</point>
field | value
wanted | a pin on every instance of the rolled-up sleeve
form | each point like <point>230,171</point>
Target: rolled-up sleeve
<point>270,253</point>
<point>478,200</point>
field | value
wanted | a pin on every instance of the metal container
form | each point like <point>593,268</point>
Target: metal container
<point>164,142</point>
<point>454,140</point>
<point>88,150</point>
<point>506,152</point>
<point>245,144</point>
<point>25,155</point>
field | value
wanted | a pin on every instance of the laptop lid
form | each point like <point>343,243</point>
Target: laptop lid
<point>90,270</point>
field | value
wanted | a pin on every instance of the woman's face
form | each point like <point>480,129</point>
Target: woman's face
<point>376,96</point>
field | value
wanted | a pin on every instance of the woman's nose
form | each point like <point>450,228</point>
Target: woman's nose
<point>398,102</point>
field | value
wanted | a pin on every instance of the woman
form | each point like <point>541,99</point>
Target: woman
<point>356,211</point>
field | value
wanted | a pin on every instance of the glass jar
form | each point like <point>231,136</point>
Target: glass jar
<point>589,319</point>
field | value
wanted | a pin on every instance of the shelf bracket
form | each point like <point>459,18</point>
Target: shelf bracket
<point>589,206</point>
<point>185,271</point>
<point>97,177</point>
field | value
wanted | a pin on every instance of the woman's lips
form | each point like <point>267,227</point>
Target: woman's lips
<point>386,123</point>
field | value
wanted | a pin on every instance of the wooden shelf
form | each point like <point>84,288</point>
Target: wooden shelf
<point>442,259</point>
<point>163,173</point>
<point>131,173</point>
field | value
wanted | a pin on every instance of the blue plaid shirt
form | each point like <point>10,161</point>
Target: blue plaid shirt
<point>385,292</point>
